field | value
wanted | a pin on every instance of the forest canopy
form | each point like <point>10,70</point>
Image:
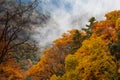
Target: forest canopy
<point>89,53</point>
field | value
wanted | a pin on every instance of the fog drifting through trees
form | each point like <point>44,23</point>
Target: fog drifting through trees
<point>70,14</point>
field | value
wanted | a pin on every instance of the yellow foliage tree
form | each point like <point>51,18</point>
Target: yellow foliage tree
<point>92,61</point>
<point>95,61</point>
<point>70,62</point>
<point>113,15</point>
<point>118,24</point>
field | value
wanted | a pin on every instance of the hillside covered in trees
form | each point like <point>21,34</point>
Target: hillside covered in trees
<point>89,53</point>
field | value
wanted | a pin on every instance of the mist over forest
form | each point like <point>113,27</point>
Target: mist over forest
<point>70,14</point>
<point>59,40</point>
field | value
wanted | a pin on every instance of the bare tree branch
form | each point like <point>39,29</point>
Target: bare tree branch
<point>13,23</point>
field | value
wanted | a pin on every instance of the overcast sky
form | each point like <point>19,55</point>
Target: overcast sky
<point>69,14</point>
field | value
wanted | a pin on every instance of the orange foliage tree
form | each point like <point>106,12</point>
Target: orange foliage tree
<point>106,30</point>
<point>52,61</point>
<point>10,70</point>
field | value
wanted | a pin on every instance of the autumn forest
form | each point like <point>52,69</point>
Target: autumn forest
<point>88,53</point>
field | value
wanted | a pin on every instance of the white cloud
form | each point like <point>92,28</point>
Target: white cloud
<point>63,20</point>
